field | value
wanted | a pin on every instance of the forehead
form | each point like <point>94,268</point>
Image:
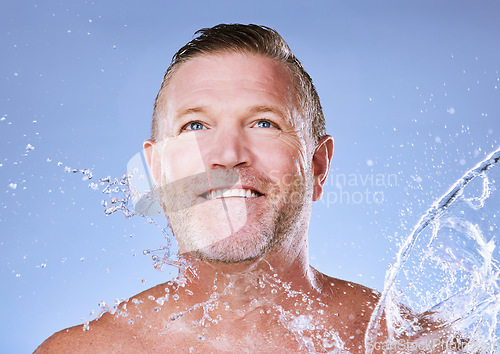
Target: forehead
<point>230,77</point>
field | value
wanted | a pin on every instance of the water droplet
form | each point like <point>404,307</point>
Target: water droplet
<point>161,300</point>
<point>109,210</point>
<point>13,185</point>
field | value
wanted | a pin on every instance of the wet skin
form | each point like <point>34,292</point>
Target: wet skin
<point>235,323</point>
<point>249,286</point>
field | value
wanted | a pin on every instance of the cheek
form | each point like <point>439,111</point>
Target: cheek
<point>287,146</point>
<point>280,160</point>
<point>181,157</point>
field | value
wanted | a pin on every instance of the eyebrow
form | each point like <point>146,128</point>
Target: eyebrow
<point>192,110</point>
<point>287,118</point>
<point>253,110</point>
<point>268,109</point>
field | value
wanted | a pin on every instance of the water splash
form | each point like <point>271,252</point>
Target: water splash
<point>444,287</point>
<point>123,195</point>
<point>128,196</point>
<point>468,282</point>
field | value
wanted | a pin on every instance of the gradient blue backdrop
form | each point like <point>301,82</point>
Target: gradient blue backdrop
<point>409,89</point>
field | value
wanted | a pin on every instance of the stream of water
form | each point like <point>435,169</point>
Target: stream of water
<point>447,272</point>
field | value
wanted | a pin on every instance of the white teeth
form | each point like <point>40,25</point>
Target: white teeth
<point>226,193</point>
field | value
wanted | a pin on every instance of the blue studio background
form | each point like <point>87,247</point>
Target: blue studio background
<point>409,90</point>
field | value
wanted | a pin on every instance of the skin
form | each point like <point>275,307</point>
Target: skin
<point>249,286</point>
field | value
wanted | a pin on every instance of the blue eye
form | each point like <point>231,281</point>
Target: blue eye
<point>194,126</point>
<point>264,124</point>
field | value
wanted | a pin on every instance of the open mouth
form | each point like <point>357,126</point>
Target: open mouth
<point>234,192</point>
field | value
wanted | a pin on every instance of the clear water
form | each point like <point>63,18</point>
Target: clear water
<point>447,271</point>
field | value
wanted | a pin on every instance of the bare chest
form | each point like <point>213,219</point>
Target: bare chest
<point>258,330</point>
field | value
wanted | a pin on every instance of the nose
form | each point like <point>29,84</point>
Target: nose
<point>228,149</point>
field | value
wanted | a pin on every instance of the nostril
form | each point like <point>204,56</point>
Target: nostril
<point>230,152</point>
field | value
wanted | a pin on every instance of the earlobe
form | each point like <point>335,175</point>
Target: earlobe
<point>321,164</point>
<point>151,157</point>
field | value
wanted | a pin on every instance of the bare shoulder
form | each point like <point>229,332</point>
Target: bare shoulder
<point>118,332</point>
<point>102,335</point>
<point>346,292</point>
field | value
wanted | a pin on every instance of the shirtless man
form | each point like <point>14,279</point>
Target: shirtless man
<point>238,154</point>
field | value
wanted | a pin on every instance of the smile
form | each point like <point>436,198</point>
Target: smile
<point>226,193</point>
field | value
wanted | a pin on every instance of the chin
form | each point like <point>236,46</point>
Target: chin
<point>248,243</point>
<point>232,250</point>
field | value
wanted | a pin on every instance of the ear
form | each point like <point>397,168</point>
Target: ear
<point>152,159</point>
<point>321,165</point>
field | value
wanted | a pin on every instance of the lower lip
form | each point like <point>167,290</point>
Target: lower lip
<point>246,198</point>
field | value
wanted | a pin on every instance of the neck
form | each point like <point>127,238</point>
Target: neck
<point>245,281</point>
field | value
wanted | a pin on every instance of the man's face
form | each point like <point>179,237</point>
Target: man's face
<point>231,158</point>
